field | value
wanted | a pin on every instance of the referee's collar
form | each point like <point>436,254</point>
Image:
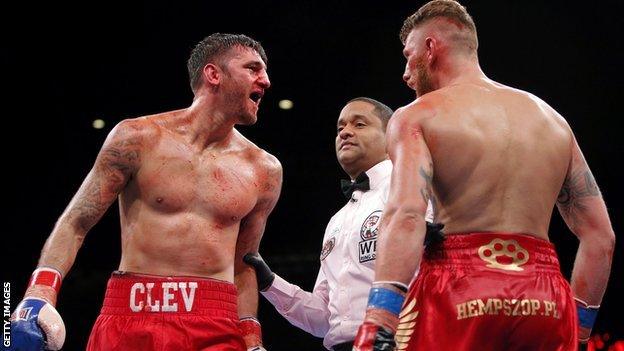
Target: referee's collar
<point>379,172</point>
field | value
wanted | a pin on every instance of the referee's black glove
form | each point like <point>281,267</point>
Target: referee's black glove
<point>434,233</point>
<point>263,273</point>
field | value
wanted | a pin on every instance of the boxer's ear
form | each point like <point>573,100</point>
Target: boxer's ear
<point>212,74</point>
<point>431,47</point>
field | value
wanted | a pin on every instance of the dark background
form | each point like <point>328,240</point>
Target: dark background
<point>114,60</point>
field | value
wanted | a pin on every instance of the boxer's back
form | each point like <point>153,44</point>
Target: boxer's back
<point>500,156</point>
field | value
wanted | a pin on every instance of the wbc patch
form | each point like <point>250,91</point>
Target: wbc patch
<point>328,247</point>
<point>368,233</point>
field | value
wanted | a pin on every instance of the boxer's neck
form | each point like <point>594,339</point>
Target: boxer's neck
<point>208,123</point>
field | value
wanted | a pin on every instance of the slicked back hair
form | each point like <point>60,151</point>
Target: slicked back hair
<point>380,110</point>
<point>212,47</point>
<point>451,10</point>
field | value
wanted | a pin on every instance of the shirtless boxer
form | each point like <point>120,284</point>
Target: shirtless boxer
<point>495,160</point>
<point>194,196</point>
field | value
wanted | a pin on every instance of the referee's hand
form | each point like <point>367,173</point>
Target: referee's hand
<point>264,275</point>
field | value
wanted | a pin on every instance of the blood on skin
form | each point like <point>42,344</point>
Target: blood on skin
<point>218,176</point>
<point>416,133</point>
<point>457,24</point>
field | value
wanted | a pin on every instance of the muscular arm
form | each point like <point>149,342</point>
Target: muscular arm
<point>403,226</point>
<point>250,233</point>
<point>116,162</point>
<point>584,211</point>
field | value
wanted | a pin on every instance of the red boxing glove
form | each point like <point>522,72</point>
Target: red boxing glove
<point>372,337</point>
<point>382,317</point>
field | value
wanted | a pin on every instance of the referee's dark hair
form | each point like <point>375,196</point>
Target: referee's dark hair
<point>382,111</point>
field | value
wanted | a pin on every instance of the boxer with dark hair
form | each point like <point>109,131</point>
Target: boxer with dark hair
<point>194,197</point>
<point>496,161</point>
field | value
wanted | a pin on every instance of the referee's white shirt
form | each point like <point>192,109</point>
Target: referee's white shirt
<point>335,308</point>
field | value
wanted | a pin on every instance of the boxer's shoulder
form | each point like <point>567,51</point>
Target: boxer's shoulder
<point>269,164</point>
<point>263,162</point>
<point>134,133</point>
<point>425,106</point>
<point>410,119</point>
<point>269,174</point>
<point>125,145</point>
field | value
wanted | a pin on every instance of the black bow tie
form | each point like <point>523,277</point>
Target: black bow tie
<point>360,183</point>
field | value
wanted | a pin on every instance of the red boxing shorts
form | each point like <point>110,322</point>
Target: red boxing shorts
<point>489,292</point>
<point>145,312</point>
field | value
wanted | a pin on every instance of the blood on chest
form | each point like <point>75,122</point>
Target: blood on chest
<point>178,185</point>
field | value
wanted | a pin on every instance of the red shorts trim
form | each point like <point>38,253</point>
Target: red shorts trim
<point>146,312</point>
<point>129,294</point>
<point>490,292</point>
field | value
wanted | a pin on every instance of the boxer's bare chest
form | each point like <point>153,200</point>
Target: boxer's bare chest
<point>174,178</point>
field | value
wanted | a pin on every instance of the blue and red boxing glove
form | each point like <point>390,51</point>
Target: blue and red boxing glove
<point>35,323</point>
<point>382,317</point>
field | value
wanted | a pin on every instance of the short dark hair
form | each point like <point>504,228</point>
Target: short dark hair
<point>214,46</point>
<point>449,9</point>
<point>380,110</point>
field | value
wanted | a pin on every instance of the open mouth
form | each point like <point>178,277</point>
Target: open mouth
<point>256,96</point>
